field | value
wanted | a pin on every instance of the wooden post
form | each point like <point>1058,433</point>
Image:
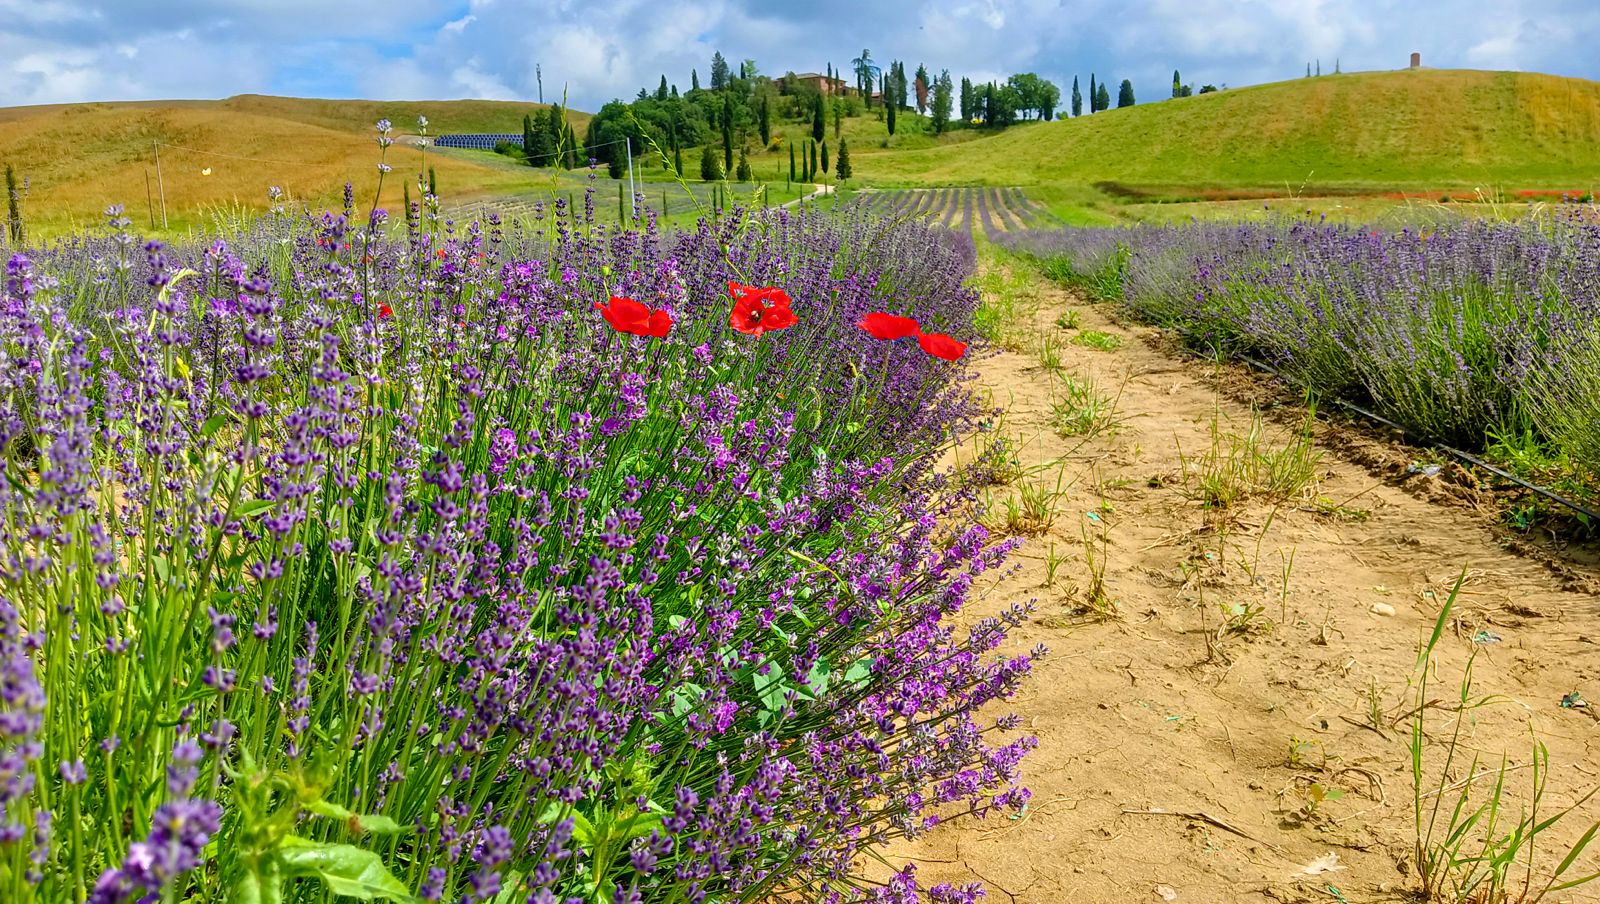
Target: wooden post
<point>160,184</point>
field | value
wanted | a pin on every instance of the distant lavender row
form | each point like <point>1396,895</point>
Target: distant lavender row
<point>1476,330</point>
<point>336,565</point>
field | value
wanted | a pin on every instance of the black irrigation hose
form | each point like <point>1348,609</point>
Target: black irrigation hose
<point>1429,442</point>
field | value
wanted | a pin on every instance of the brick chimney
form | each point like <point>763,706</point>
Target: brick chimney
<point>1416,60</point>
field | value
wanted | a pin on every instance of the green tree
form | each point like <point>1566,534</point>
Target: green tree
<point>812,171</point>
<point>694,80</point>
<point>819,118</point>
<point>1125,94</point>
<point>843,171</point>
<point>719,72</point>
<point>1102,97</point>
<point>866,74</point>
<point>1094,95</point>
<point>661,90</point>
<point>792,173</point>
<point>764,119</point>
<point>824,156</point>
<point>889,104</point>
<point>529,143</point>
<point>941,103</point>
<point>677,160</point>
<point>966,99</point>
<point>838,116</point>
<point>727,132</point>
<point>1177,84</point>
<point>709,171</point>
<point>1077,98</point>
<point>743,172</point>
<point>924,88</point>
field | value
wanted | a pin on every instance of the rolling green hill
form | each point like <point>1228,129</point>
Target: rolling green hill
<point>1424,130</point>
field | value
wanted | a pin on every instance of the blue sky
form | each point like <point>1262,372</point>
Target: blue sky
<point>79,50</point>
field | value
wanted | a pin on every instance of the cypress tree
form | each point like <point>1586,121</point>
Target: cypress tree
<point>1094,97</point>
<point>966,99</point>
<point>529,145</point>
<point>1125,94</point>
<point>433,185</point>
<point>824,156</point>
<point>663,204</point>
<point>791,162</point>
<point>1103,97</point>
<point>843,170</point>
<point>764,120</point>
<point>819,119</point>
<point>622,215</point>
<point>708,164</point>
<point>743,172</point>
<point>14,227</point>
<point>1177,84</point>
<point>677,161</point>
<point>727,132</point>
<point>694,80</point>
<point>1077,98</point>
<point>889,105</point>
<point>661,90</point>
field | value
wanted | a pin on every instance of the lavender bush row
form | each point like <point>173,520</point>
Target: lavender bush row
<point>341,566</point>
<point>1476,330</point>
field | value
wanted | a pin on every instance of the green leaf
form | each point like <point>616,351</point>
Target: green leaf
<point>344,868</point>
<point>363,823</point>
<point>255,505</point>
<point>771,687</point>
<point>213,424</point>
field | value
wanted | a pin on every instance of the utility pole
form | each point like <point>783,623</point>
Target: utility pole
<point>538,73</point>
<point>162,186</point>
<point>628,139</point>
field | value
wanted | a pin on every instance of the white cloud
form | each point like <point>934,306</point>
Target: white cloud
<point>58,50</point>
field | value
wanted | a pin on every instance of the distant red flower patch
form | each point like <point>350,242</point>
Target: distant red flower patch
<point>628,316</point>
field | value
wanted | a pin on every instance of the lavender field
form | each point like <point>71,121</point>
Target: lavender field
<point>475,561</point>
<point>998,211</point>
<point>1480,334</point>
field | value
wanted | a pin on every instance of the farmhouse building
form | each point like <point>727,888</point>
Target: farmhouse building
<point>817,82</point>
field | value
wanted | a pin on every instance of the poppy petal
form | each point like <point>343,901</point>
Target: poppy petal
<point>888,327</point>
<point>941,346</point>
<point>659,325</point>
<point>779,318</point>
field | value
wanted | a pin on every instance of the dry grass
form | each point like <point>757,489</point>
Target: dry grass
<point>80,158</point>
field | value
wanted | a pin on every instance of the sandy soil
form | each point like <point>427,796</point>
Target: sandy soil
<point>1181,761</point>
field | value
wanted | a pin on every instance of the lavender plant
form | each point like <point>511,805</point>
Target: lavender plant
<point>346,565</point>
<point>1476,329</point>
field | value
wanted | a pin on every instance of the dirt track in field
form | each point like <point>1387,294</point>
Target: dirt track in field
<point>1179,760</point>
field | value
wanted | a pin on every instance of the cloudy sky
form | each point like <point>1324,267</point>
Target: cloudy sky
<point>80,50</point>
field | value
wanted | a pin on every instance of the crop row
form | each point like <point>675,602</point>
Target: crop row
<point>997,210</point>
<point>1480,334</point>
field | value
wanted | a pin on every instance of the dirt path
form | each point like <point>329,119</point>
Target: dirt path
<point>1161,708</point>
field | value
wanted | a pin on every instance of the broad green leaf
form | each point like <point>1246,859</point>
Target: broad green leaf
<point>771,688</point>
<point>344,868</point>
<point>213,424</point>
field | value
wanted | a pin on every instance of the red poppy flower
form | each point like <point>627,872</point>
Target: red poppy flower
<point>384,311</point>
<point>888,327</point>
<point>628,316</point>
<point>757,309</point>
<point>941,346</point>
